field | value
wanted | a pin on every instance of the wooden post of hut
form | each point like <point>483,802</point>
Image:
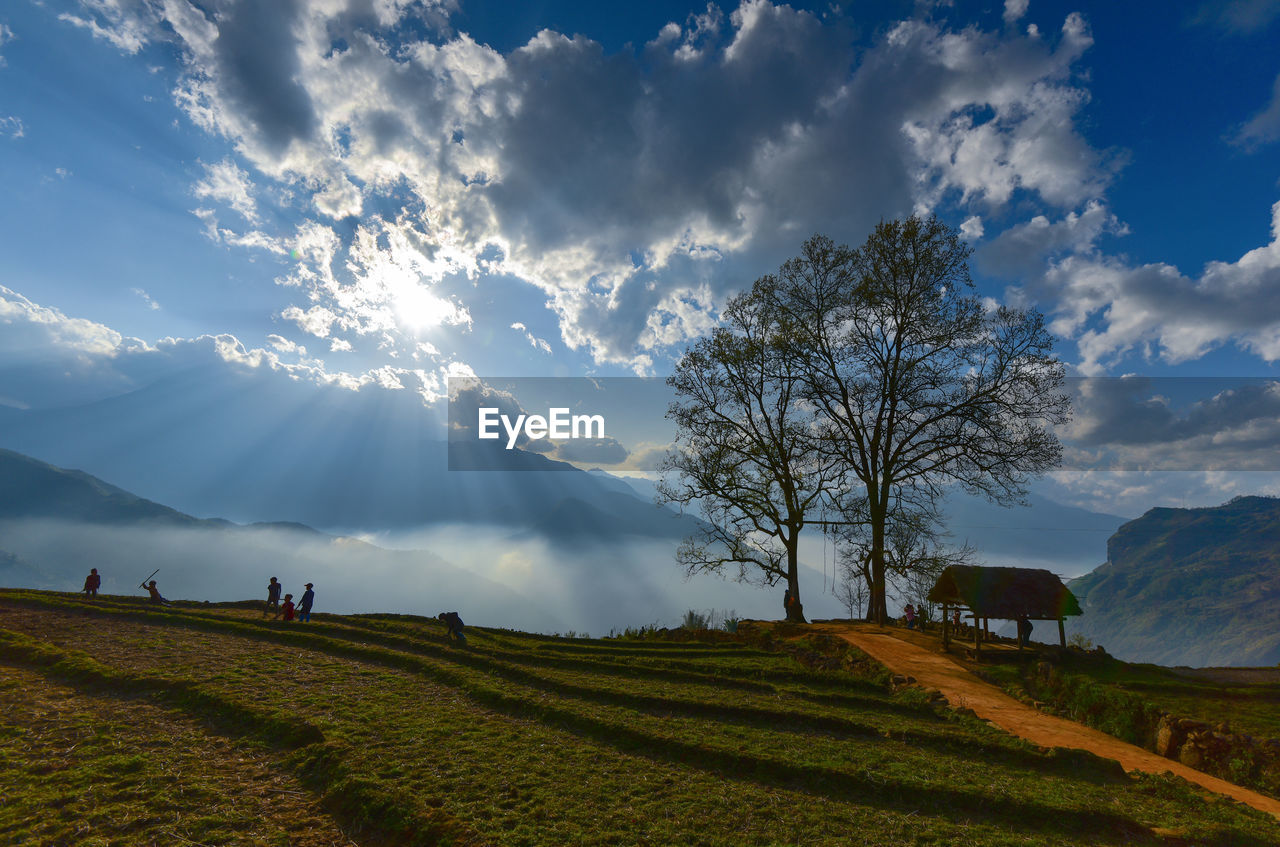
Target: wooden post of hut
<point>945,624</point>
<point>1062,633</point>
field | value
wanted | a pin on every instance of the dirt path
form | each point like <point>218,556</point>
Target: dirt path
<point>964,690</point>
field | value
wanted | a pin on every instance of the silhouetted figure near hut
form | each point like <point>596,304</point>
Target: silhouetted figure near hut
<point>273,596</point>
<point>909,614</point>
<point>92,583</point>
<point>453,622</point>
<point>1024,631</point>
<point>304,604</point>
<point>155,594</point>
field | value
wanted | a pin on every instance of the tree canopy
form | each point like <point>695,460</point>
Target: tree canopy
<point>869,379</point>
<point>745,450</point>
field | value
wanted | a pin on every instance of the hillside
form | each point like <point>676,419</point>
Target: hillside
<point>209,725</point>
<point>247,448</point>
<point>1194,587</point>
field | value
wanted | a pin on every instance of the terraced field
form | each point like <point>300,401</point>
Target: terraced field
<point>125,724</point>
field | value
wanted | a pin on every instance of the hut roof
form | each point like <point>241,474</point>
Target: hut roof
<point>1005,593</point>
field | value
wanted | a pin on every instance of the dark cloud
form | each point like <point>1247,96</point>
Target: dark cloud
<point>257,66</point>
<point>1175,423</point>
<point>592,451</point>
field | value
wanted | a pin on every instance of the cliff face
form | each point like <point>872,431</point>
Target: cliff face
<point>1196,587</point>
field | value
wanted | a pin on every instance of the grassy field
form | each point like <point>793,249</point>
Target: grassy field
<point>124,724</point>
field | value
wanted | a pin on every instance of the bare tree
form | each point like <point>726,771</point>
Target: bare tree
<point>853,588</point>
<point>915,556</point>
<point>918,384</point>
<point>745,448</point>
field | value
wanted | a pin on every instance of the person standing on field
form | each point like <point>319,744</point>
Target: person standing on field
<point>304,604</point>
<point>273,596</point>
<point>92,583</point>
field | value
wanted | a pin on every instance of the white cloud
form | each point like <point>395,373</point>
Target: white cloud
<point>12,127</point>
<point>1014,10</point>
<point>1112,308</point>
<point>1264,127</point>
<point>1237,17</point>
<point>226,183</point>
<point>146,298</point>
<point>283,345</point>
<point>49,359</point>
<point>1132,493</point>
<point>6,35</point>
<point>123,24</point>
<point>634,190</point>
<point>30,326</point>
<point>317,320</point>
<point>534,341</point>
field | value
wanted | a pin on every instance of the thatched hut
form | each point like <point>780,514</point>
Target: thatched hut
<point>1004,594</point>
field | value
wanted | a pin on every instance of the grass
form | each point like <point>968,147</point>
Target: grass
<point>379,730</point>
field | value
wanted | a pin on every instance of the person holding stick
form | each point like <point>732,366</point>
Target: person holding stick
<point>150,587</point>
<point>155,594</point>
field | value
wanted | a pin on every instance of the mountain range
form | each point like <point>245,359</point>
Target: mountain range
<point>249,448</point>
<point>592,574</point>
<point>56,523</point>
<point>1197,587</point>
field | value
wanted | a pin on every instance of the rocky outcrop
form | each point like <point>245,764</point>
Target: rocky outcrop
<point>1215,749</point>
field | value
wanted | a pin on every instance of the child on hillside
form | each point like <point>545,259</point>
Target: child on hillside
<point>454,624</point>
<point>155,593</point>
<point>286,608</point>
<point>304,605</point>
<point>92,583</point>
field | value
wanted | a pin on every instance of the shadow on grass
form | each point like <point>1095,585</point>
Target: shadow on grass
<point>450,667</point>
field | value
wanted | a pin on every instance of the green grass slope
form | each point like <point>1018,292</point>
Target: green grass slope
<point>126,724</point>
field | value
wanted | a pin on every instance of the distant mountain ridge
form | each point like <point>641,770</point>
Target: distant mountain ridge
<point>30,488</point>
<point>247,448</point>
<point>1197,587</point>
<point>56,523</point>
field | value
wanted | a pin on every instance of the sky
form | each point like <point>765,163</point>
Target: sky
<point>376,195</point>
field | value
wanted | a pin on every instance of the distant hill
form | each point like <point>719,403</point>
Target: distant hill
<point>247,448</point>
<point>56,523</point>
<point>30,488</point>
<point>1197,587</point>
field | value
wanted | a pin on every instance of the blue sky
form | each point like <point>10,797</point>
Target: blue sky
<point>376,194</point>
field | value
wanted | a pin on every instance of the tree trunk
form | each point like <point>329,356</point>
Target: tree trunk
<point>879,602</point>
<point>795,610</point>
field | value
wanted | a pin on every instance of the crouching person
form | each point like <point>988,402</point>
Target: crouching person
<point>454,624</point>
